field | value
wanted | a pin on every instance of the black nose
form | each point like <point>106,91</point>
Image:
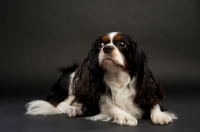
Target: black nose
<point>108,49</point>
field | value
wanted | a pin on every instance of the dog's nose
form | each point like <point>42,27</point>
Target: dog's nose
<point>108,49</point>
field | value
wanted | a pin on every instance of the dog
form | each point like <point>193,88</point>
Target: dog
<point>113,83</point>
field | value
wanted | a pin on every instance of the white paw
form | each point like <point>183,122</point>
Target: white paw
<point>162,118</point>
<point>74,111</point>
<point>126,120</point>
<point>102,117</point>
<point>71,111</point>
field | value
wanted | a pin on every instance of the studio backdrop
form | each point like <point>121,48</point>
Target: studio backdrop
<point>38,37</point>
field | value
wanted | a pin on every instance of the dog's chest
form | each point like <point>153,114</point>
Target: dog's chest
<point>123,92</point>
<point>121,89</point>
<point>117,80</point>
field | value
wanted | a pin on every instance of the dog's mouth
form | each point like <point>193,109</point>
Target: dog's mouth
<point>109,62</point>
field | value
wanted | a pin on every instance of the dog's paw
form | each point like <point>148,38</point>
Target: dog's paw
<point>74,111</point>
<point>100,116</point>
<point>162,118</point>
<point>125,120</point>
<point>71,111</point>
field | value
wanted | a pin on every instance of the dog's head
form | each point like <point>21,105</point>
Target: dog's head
<point>115,50</point>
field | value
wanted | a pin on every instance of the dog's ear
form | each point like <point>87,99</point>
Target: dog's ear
<point>88,80</point>
<point>149,90</point>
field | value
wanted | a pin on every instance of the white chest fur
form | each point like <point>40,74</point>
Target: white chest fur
<point>123,91</point>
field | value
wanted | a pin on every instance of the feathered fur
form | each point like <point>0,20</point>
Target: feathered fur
<point>113,81</point>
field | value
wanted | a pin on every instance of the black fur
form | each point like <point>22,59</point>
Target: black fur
<point>149,90</point>
<point>59,92</point>
<point>88,84</point>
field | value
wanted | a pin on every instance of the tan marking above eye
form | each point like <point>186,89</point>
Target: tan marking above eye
<point>105,39</point>
<point>117,37</point>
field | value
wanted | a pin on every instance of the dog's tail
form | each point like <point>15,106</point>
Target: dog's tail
<point>40,107</point>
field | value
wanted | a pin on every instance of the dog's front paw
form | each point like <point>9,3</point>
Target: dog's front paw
<point>74,111</point>
<point>71,111</point>
<point>162,118</point>
<point>125,120</point>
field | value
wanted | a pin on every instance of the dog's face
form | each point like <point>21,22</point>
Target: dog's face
<point>115,50</point>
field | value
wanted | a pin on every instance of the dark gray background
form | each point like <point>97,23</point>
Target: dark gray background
<point>38,36</point>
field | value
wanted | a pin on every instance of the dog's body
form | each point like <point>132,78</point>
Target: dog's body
<point>114,83</point>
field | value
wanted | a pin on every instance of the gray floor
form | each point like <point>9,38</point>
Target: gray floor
<point>185,104</point>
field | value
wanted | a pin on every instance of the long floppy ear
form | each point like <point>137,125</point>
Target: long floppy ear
<point>149,90</point>
<point>88,81</point>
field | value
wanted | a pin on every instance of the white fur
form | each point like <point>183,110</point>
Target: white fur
<point>41,107</point>
<point>120,108</point>
<point>103,117</point>
<point>117,57</point>
<point>111,35</point>
<point>71,78</point>
<point>68,106</point>
<point>117,106</point>
<point>161,117</point>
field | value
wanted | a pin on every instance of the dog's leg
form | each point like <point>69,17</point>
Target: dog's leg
<point>161,117</point>
<point>70,107</point>
<point>110,111</point>
<point>117,115</point>
<point>121,117</point>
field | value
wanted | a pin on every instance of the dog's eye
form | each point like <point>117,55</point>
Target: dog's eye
<point>121,44</point>
<point>101,45</point>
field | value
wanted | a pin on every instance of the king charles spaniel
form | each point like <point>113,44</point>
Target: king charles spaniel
<point>113,83</point>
